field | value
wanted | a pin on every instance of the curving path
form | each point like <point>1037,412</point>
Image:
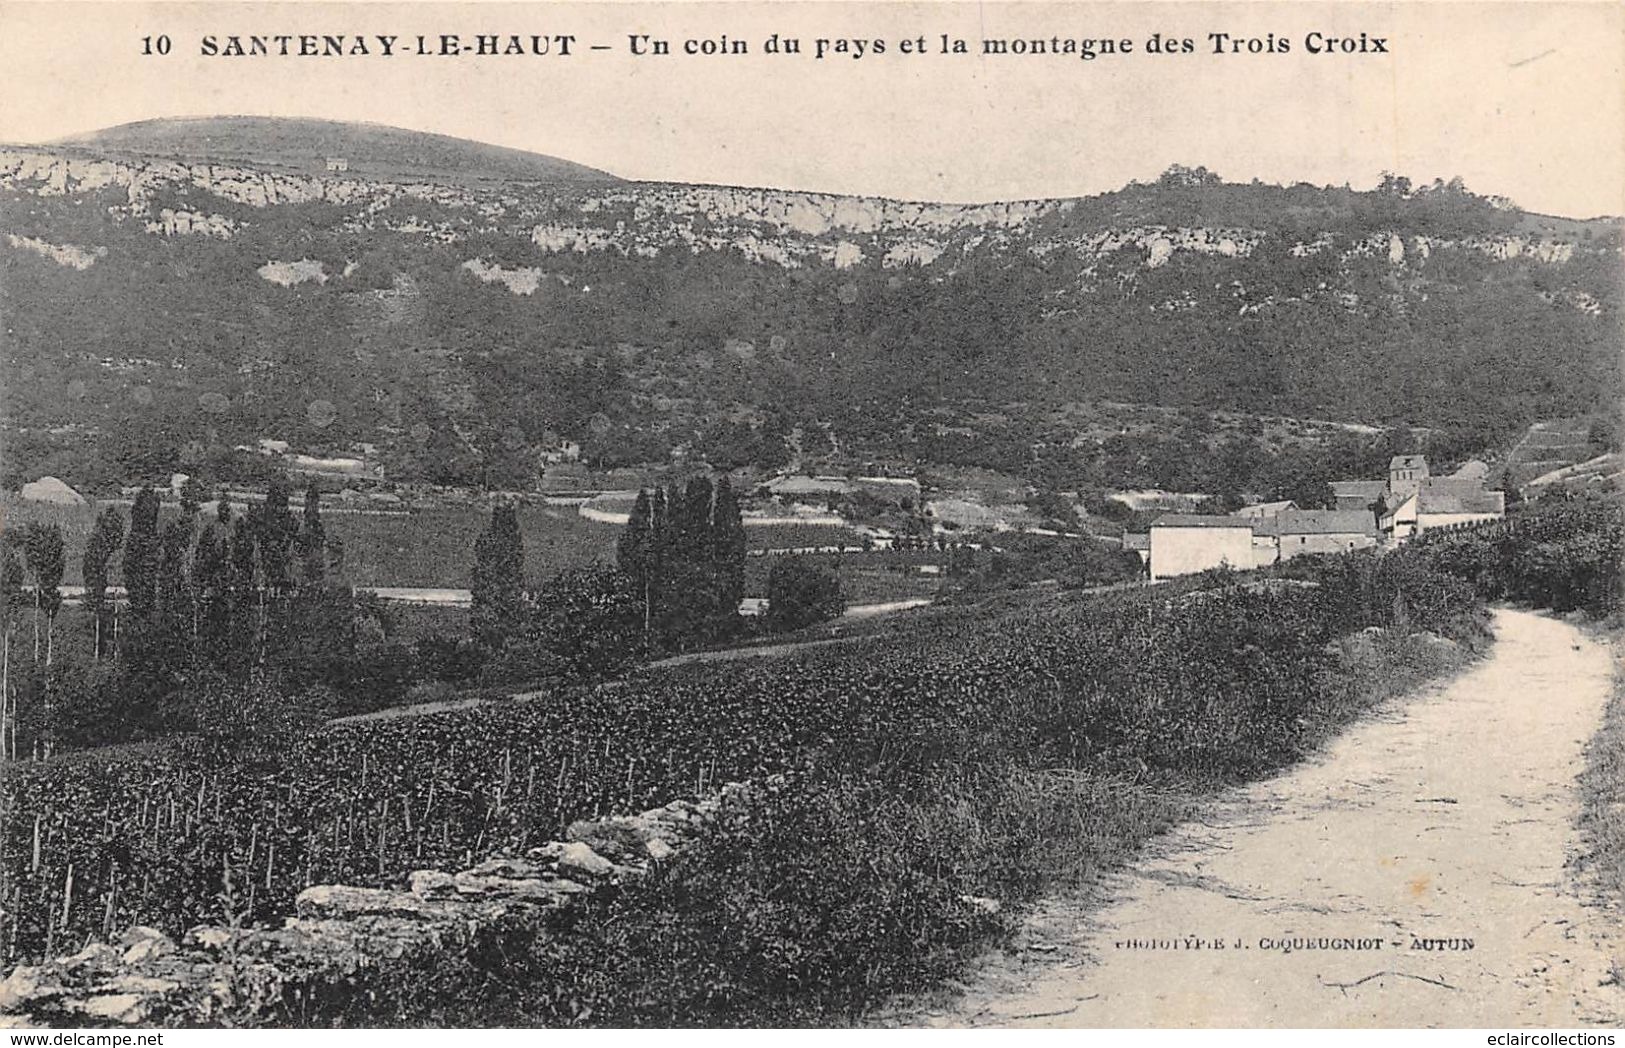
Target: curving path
<point>1448,817</point>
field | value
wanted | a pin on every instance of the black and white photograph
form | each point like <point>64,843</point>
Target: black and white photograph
<point>893,516</point>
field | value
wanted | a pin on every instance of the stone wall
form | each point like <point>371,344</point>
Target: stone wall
<point>233,975</point>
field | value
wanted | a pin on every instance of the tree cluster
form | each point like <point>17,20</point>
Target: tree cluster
<point>580,624</point>
<point>246,610</point>
<point>684,550</point>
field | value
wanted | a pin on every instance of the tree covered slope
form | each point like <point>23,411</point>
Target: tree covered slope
<point>167,307</point>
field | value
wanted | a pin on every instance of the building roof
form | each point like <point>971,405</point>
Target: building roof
<point>1265,509</point>
<point>1201,520</point>
<point>1320,522</point>
<point>1366,489</point>
<point>1408,462</point>
<point>1444,495</point>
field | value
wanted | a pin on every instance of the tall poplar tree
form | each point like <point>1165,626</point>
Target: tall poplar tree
<point>728,551</point>
<point>498,583</point>
<point>634,553</point>
<point>141,555</point>
<point>44,553</point>
<point>211,579</point>
<point>104,541</point>
<point>12,580</point>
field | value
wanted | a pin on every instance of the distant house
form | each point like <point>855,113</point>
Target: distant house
<point>1265,509</point>
<point>1138,543</point>
<point>1358,494</point>
<point>1187,543</point>
<point>1441,502</point>
<point>1302,532</point>
<point>337,163</point>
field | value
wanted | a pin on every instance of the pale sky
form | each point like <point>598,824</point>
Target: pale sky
<point>1522,100</point>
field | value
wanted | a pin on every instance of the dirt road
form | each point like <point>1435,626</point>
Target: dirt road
<point>1429,842</point>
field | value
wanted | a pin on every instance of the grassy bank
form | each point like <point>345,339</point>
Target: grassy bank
<point>1602,795</point>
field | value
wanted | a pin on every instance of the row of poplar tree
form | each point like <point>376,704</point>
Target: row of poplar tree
<point>211,601</point>
<point>677,584</point>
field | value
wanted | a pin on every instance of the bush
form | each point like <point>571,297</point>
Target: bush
<point>1560,554</point>
<point>801,593</point>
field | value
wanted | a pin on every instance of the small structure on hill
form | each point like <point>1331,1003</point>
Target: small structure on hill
<point>337,163</point>
<point>52,490</point>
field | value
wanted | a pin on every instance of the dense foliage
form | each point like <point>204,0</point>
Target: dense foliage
<point>800,593</point>
<point>684,550</point>
<point>1566,555</point>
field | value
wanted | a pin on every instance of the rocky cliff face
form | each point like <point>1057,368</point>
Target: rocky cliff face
<point>774,227</point>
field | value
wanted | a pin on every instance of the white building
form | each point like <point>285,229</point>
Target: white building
<point>1187,543</point>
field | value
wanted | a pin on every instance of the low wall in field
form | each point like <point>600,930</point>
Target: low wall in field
<point>220,974</point>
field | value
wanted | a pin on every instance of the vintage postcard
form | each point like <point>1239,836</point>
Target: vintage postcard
<point>600,515</point>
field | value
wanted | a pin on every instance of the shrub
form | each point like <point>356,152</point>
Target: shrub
<point>800,593</point>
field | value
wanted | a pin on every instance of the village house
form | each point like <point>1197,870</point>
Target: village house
<point>1187,543</point>
<point>337,163</point>
<point>1358,494</point>
<point>1441,502</point>
<point>1299,533</point>
<point>1411,501</point>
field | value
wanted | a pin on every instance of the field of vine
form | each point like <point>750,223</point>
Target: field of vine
<point>1220,681</point>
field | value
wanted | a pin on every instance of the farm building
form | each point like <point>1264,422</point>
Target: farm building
<point>337,163</point>
<point>1441,502</point>
<point>1187,543</point>
<point>1358,494</point>
<point>1138,543</point>
<point>1302,532</point>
